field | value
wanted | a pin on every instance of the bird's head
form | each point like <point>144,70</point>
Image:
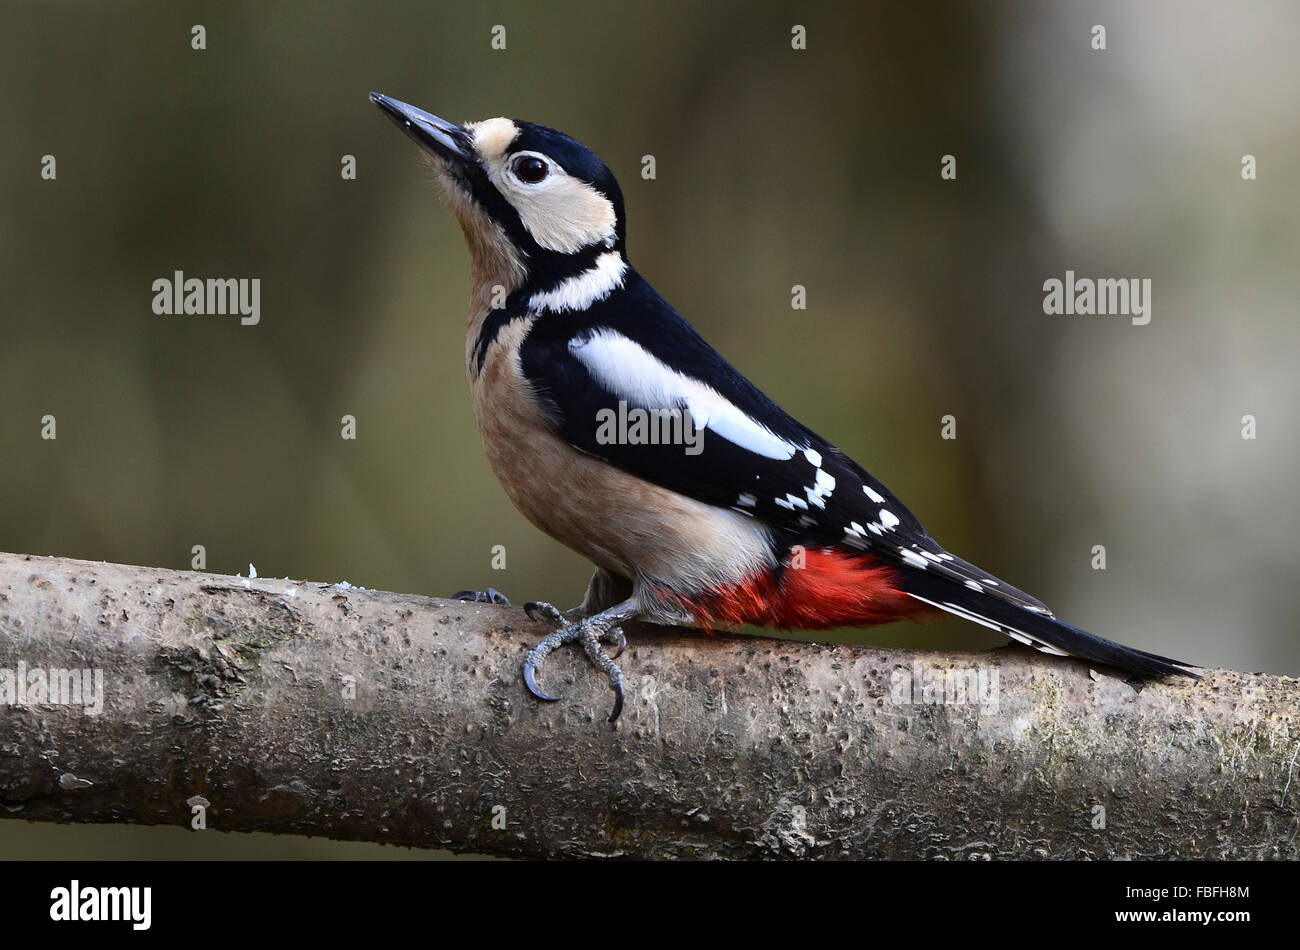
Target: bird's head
<point>536,206</point>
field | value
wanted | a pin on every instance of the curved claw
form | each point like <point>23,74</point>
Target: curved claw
<point>621,640</point>
<point>543,612</point>
<point>531,683</point>
<point>618,700</point>
<point>489,596</point>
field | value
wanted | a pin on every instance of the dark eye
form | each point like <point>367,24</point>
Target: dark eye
<point>530,169</point>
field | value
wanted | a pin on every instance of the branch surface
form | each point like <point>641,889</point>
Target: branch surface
<point>307,708</point>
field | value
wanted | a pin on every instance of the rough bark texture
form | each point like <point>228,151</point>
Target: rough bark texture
<point>236,692</point>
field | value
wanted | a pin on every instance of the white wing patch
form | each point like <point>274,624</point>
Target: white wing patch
<point>912,559</point>
<point>822,486</point>
<point>631,372</point>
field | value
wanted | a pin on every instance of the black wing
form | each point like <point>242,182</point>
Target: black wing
<point>633,348</point>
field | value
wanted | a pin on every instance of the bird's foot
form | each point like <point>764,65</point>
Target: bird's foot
<point>545,613</point>
<point>591,632</point>
<point>489,596</point>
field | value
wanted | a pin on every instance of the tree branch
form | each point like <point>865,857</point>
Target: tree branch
<point>238,693</point>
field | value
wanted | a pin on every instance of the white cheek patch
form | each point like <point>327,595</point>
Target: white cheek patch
<point>562,214</point>
<point>630,372</point>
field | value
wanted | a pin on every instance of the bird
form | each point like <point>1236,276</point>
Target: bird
<point>617,430</point>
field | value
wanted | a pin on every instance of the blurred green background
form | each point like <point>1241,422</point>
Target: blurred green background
<point>775,167</point>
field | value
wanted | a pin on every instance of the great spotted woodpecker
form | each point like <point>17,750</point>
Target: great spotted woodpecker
<point>744,515</point>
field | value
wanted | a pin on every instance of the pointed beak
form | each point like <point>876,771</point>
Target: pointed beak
<point>444,139</point>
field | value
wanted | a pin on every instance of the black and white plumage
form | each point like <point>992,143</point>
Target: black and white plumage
<point>563,333</point>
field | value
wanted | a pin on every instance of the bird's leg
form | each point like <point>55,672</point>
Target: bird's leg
<point>590,631</point>
<point>489,596</point>
<point>605,590</point>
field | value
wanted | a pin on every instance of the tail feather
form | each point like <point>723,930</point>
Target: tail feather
<point>1041,631</point>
